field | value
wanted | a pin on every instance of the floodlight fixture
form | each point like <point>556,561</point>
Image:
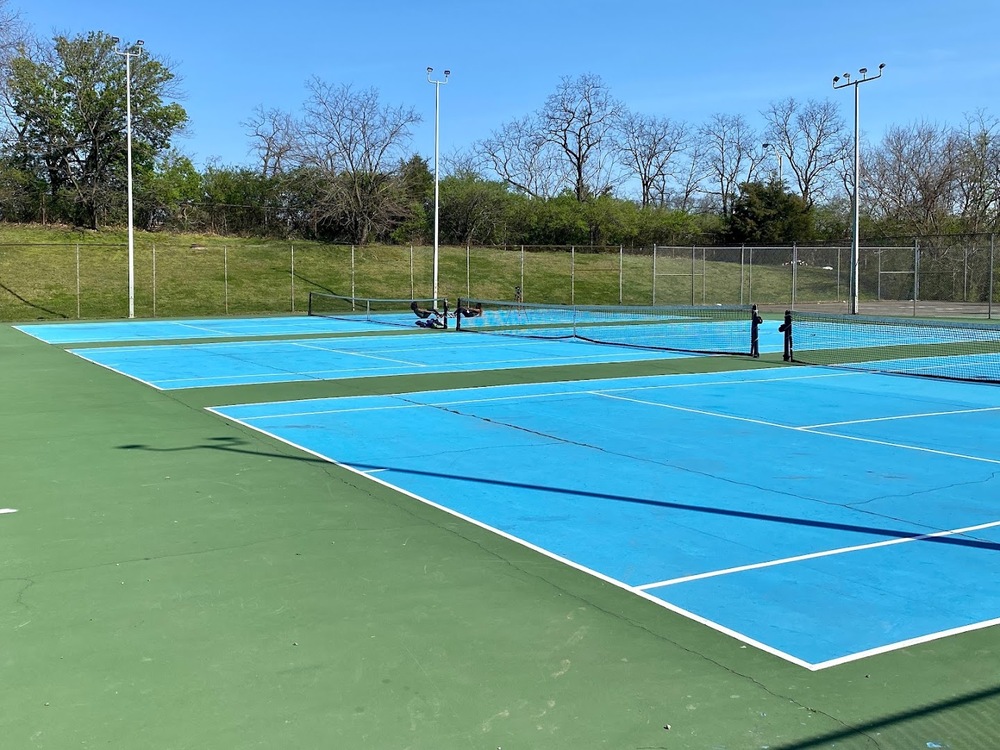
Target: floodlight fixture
<point>128,53</point>
<point>437,202</point>
<point>856,210</point>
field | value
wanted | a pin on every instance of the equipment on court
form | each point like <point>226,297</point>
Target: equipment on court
<point>717,329</point>
<point>908,346</point>
<point>393,312</point>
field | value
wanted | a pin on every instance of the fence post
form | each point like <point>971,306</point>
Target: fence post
<point>704,276</point>
<point>916,274</point>
<point>468,270</point>
<point>522,272</point>
<point>965,272</point>
<point>225,277</point>
<point>989,306</point>
<point>693,269</point>
<point>154,279</point>
<point>293,277</point>
<point>77,280</point>
<point>572,280</point>
<point>743,249</point>
<point>654,275</point>
<point>621,274</point>
<point>878,284</point>
<point>353,295</point>
<point>412,283</point>
<point>795,270</point>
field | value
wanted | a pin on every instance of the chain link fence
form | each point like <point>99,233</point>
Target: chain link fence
<point>931,276</point>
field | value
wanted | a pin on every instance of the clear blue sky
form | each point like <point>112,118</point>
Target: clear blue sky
<point>686,61</point>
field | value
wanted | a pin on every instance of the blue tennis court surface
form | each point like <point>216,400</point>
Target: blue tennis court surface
<point>173,366</point>
<point>822,516</point>
<point>165,330</point>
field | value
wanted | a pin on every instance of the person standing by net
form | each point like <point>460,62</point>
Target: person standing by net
<point>755,321</point>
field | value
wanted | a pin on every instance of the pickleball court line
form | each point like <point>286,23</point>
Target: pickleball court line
<point>541,550</point>
<point>815,555</point>
<point>798,428</point>
<point>977,410</point>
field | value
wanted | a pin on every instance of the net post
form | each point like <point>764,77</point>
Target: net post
<point>444,312</point>
<point>786,328</point>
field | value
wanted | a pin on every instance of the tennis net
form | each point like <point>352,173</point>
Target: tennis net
<point>951,350</point>
<point>715,329</point>
<point>394,312</point>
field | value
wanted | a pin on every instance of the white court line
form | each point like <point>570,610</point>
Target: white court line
<point>347,352</point>
<point>815,555</point>
<point>902,416</point>
<point>571,390</point>
<point>8,510</point>
<point>794,428</point>
<point>214,331</point>
<point>547,553</point>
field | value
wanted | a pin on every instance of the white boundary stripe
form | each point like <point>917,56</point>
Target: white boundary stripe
<point>666,605</point>
<point>569,391</point>
<point>978,410</point>
<point>816,555</point>
<point>8,510</point>
<point>905,644</point>
<point>809,430</point>
<point>363,355</point>
<point>585,382</point>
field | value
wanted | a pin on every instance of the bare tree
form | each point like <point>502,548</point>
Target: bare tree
<point>354,145</point>
<point>732,155</point>
<point>912,176</point>
<point>978,172</point>
<point>521,157</point>
<point>580,120</point>
<point>814,141</point>
<point>272,138</point>
<point>650,146</point>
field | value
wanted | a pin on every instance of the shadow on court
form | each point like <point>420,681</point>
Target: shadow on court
<point>964,711</point>
<point>227,444</point>
<point>237,445</point>
<point>728,512</point>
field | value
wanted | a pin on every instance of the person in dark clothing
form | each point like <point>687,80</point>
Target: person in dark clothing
<point>755,321</point>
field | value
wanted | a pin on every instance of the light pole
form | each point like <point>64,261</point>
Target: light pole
<point>779,155</point>
<point>855,278</point>
<point>437,119</point>
<point>128,53</point>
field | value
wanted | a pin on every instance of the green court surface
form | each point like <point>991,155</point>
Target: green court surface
<point>173,580</point>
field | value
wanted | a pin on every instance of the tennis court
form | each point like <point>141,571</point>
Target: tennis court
<point>169,330</point>
<point>174,366</point>
<point>471,555</point>
<point>822,536</point>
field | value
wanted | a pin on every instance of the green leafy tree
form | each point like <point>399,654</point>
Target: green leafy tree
<point>416,211</point>
<point>473,209</point>
<point>764,213</point>
<point>166,193</point>
<point>68,110</point>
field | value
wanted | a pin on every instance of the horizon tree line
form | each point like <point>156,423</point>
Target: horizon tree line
<point>580,169</point>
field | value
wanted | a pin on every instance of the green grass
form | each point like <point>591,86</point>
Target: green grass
<point>58,273</point>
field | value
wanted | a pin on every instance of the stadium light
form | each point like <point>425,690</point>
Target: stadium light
<point>838,84</point>
<point>128,53</point>
<point>778,154</point>
<point>437,119</point>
